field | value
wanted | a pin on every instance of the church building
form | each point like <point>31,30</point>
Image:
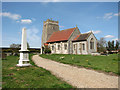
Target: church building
<point>68,41</point>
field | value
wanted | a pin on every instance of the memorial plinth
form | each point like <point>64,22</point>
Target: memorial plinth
<point>24,52</point>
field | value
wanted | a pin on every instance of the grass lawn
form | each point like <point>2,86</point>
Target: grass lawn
<point>0,74</point>
<point>102,63</point>
<point>28,77</point>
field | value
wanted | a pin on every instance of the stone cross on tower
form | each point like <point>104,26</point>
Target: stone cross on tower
<point>24,56</point>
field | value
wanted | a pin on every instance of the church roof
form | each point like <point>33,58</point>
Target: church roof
<point>82,37</point>
<point>61,35</point>
<point>45,44</point>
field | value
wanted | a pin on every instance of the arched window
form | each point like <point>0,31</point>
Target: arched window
<point>83,46</point>
<point>92,43</point>
<point>52,47</point>
<point>58,47</point>
<point>65,46</point>
<point>52,27</point>
<point>74,46</point>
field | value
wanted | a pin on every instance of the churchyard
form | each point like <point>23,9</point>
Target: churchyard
<point>37,77</point>
<point>28,77</point>
<point>60,50</point>
<point>19,71</point>
<point>107,64</point>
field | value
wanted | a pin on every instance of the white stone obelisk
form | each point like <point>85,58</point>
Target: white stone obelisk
<point>24,53</point>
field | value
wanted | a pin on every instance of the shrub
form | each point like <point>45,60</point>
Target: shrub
<point>110,52</point>
<point>47,50</point>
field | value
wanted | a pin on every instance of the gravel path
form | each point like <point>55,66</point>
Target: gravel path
<point>78,77</point>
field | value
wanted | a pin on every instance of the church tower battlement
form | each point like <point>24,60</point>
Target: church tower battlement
<point>49,26</point>
<point>50,22</point>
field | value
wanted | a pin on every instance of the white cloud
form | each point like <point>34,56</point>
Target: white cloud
<point>115,39</point>
<point>16,17</point>
<point>26,21</point>
<point>55,0</point>
<point>109,36</point>
<point>117,14</point>
<point>108,15</point>
<point>33,38</point>
<point>10,15</point>
<point>52,0</point>
<point>95,32</point>
<point>61,26</point>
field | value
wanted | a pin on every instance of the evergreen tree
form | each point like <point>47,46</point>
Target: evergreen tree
<point>112,45</point>
<point>109,46</point>
<point>117,45</point>
<point>28,46</point>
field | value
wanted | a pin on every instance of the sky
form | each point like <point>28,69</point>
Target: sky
<point>99,17</point>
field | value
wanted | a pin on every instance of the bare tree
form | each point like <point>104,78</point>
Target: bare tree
<point>101,45</point>
<point>15,45</point>
<point>15,49</point>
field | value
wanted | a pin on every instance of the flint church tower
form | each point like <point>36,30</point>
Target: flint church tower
<point>49,26</point>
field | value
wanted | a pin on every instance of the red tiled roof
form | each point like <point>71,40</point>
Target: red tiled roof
<point>76,37</point>
<point>45,44</point>
<point>81,37</point>
<point>61,35</point>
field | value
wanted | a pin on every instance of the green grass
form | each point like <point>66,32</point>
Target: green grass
<point>0,73</point>
<point>28,77</point>
<point>102,63</point>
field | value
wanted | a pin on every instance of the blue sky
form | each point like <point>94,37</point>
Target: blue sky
<point>100,17</point>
